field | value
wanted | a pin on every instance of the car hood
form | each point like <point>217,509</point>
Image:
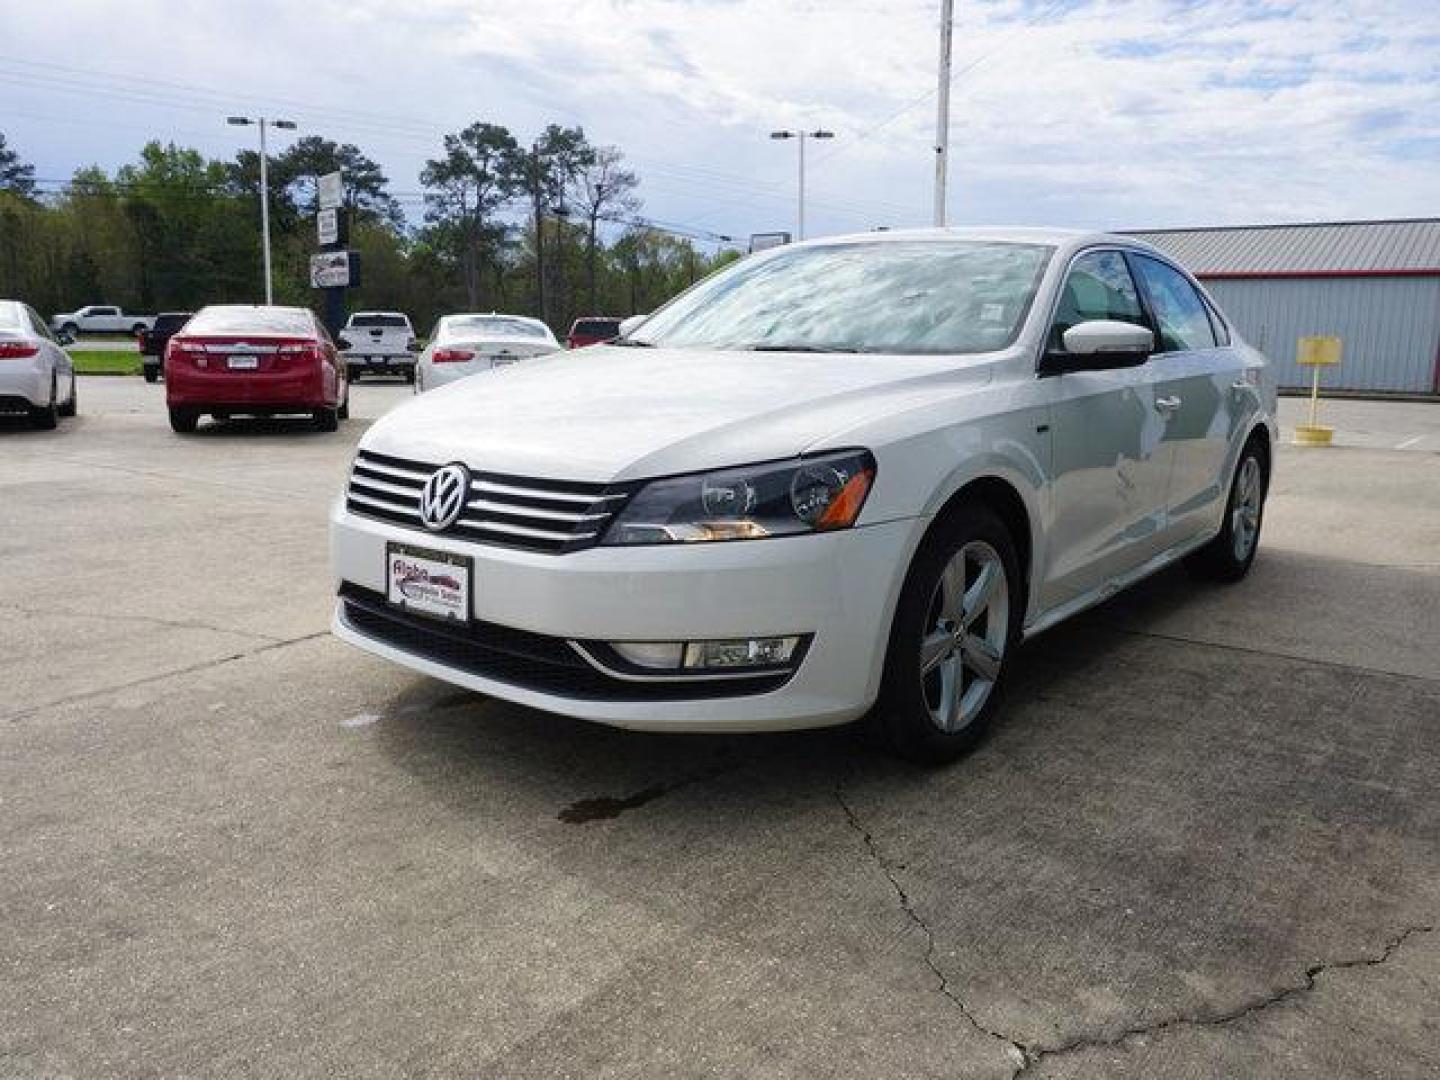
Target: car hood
<point>611,413</point>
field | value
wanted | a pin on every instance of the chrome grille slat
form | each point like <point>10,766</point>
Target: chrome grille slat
<point>542,515</point>
<point>381,485</point>
<point>381,504</point>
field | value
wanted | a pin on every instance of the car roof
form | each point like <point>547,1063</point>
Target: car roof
<point>1065,240</point>
<point>392,314</point>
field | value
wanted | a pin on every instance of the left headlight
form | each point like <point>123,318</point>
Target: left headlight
<point>778,498</point>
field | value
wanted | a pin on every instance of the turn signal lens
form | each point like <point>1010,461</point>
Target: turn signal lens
<point>845,507</point>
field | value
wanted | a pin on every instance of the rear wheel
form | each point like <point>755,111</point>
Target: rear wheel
<point>326,419</point>
<point>72,404</point>
<point>354,373</point>
<point>138,329</point>
<point>46,416</point>
<point>958,615</point>
<point>1229,555</point>
<point>343,412</point>
<point>410,374</point>
<point>184,421</point>
<point>152,373</point>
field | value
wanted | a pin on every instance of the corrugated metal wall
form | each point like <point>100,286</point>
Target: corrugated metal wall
<point>1390,326</point>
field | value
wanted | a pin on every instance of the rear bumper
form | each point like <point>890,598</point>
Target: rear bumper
<point>270,391</point>
<point>25,380</point>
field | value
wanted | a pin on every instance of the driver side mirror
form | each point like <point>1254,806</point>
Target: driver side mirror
<point>1099,345</point>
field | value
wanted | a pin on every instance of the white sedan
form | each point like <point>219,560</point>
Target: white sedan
<point>464,345</point>
<point>36,374</point>
<point>836,479</point>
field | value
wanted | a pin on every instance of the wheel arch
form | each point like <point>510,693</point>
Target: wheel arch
<point>1003,495</point>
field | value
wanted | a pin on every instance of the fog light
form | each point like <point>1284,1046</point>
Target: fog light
<point>650,654</point>
<point>745,652</point>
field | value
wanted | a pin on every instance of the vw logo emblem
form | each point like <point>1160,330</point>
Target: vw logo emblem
<point>443,496</point>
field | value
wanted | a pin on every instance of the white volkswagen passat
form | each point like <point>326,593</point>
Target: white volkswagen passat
<point>463,345</point>
<point>840,477</point>
<point>36,374</point>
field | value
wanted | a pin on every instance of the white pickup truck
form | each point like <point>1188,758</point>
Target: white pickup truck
<point>101,319</point>
<point>378,343</point>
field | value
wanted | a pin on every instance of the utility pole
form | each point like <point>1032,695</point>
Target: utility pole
<point>802,135</point>
<point>283,125</point>
<point>942,109</point>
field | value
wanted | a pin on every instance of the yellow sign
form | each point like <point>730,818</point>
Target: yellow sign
<point>1319,351</point>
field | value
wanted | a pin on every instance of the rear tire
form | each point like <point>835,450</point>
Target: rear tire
<point>343,412</point>
<point>138,329</point>
<point>1229,556</point>
<point>410,374</point>
<point>72,406</point>
<point>46,417</point>
<point>184,421</point>
<point>353,373</point>
<point>152,373</point>
<point>326,419</point>
<point>957,618</point>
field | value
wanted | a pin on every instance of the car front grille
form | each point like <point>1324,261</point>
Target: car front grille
<point>552,516</point>
<point>522,658</point>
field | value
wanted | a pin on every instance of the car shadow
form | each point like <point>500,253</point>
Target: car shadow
<point>249,427</point>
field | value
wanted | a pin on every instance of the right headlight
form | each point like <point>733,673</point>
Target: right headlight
<point>778,498</point>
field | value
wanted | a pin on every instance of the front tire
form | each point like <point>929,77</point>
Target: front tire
<point>958,617</point>
<point>184,421</point>
<point>1229,556</point>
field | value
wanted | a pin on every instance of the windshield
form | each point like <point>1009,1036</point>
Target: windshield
<point>596,327</point>
<point>889,296</point>
<point>252,320</point>
<point>486,326</point>
<point>394,322</point>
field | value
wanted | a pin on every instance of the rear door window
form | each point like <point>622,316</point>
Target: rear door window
<point>1183,320</point>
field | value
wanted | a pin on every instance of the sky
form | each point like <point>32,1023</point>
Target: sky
<point>1086,113</point>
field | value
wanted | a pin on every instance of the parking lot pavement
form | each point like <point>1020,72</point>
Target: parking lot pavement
<point>1203,841</point>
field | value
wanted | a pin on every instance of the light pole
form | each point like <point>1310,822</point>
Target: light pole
<point>283,125</point>
<point>802,136</point>
<point>942,109</point>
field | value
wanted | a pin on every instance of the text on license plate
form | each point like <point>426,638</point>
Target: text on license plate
<point>427,582</point>
<point>243,363</point>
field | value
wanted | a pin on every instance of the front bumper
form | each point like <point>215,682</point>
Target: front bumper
<point>839,587</point>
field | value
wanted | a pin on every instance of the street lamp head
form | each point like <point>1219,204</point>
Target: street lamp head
<point>782,134</point>
<point>238,121</point>
<point>822,134</point>
<point>284,125</point>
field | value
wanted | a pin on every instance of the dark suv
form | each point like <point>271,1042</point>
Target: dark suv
<point>154,340</point>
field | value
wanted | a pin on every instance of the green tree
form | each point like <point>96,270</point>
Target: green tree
<point>604,191</point>
<point>366,185</point>
<point>555,160</point>
<point>478,174</point>
<point>16,177</point>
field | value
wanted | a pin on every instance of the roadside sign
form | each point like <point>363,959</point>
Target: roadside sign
<point>332,190</point>
<point>327,227</point>
<point>330,270</point>
<point>765,240</point>
<point>1318,351</point>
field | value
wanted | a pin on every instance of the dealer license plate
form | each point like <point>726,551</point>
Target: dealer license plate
<point>243,363</point>
<point>425,582</point>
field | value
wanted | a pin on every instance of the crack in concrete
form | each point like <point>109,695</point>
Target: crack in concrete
<point>150,620</point>
<point>1014,1050</point>
<point>1035,1054</point>
<point>1026,1056</point>
<point>85,695</point>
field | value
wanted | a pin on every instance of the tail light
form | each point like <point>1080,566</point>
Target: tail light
<point>451,356</point>
<point>303,350</point>
<point>18,350</point>
<point>193,351</point>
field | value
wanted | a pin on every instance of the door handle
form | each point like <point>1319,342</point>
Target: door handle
<point>1167,404</point>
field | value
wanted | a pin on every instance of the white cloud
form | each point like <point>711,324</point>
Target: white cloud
<point>1116,112</point>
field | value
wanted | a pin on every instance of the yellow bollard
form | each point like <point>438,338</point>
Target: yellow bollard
<point>1315,353</point>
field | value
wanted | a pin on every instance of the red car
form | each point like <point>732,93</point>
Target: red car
<point>233,359</point>
<point>591,331</point>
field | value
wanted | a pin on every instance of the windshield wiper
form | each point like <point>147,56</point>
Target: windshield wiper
<point>800,348</point>
<point>631,343</point>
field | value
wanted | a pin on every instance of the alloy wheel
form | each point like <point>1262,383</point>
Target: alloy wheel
<point>1245,517</point>
<point>963,648</point>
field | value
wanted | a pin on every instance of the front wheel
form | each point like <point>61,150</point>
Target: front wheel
<point>1229,555</point>
<point>958,616</point>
